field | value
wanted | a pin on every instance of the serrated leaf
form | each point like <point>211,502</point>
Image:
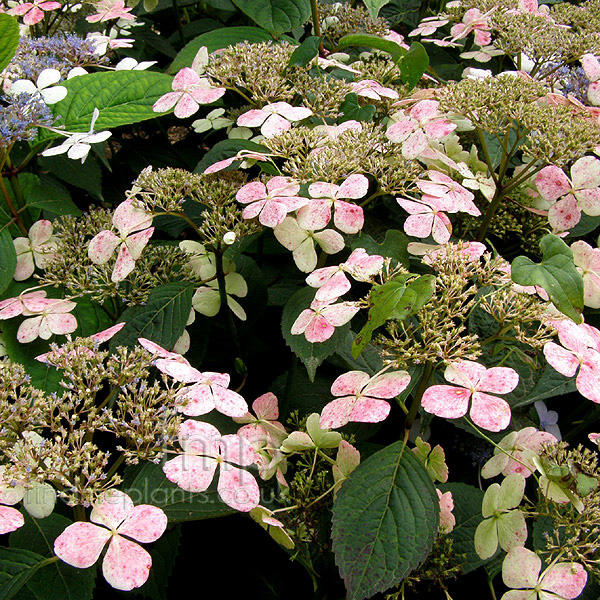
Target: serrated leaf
<point>550,384</point>
<point>374,6</point>
<point>9,39</point>
<point>215,40</point>
<point>353,111</point>
<point>87,176</point>
<point>16,567</point>
<point>312,355</point>
<point>150,486</point>
<point>226,149</point>
<point>393,300</point>
<point>40,195</point>
<point>8,259</point>
<point>413,64</point>
<point>122,97</point>
<point>276,16</point>
<point>162,319</point>
<point>385,520</point>
<point>305,52</point>
<point>58,580</point>
<point>556,274</point>
<point>372,41</point>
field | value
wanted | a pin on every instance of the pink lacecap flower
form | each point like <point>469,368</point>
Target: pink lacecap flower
<point>274,118</point>
<point>33,12</point>
<point>264,426</point>
<point>373,89</point>
<point>272,202</point>
<point>428,26</point>
<point>427,218</point>
<point>207,392</point>
<point>474,21</point>
<point>10,518</point>
<point>332,281</point>
<point>126,564</point>
<point>571,196</point>
<point>457,197</point>
<point>240,156</point>
<point>203,448</point>
<point>318,322</point>
<point>447,519</point>
<point>363,398</point>
<point>348,217</point>
<point>35,250</point>
<point>591,67</point>
<point>487,411</point>
<point>587,261</point>
<point>415,128</point>
<point>133,224</point>
<point>579,353</point>
<point>111,9</point>
<point>189,92</point>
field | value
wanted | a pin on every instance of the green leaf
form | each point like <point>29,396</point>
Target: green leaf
<point>150,486</point>
<point>42,195</point>
<point>312,355</point>
<point>413,64</point>
<point>9,39</point>
<point>162,319</point>
<point>16,568</point>
<point>215,40</point>
<point>58,580</point>
<point>305,52</point>
<point>556,274</point>
<point>91,318</point>
<point>374,6</point>
<point>8,259</point>
<point>276,16</point>
<point>122,97</point>
<point>372,41</point>
<point>385,520</point>
<point>86,176</point>
<point>352,110</point>
<point>393,300</point>
<point>395,246</point>
<point>550,384</point>
<point>226,149</point>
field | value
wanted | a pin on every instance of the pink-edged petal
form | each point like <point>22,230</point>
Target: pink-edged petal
<point>29,330</point>
<point>238,450</point>
<point>167,102</point>
<point>302,322</point>
<point>498,380</point>
<point>348,218</point>
<point>282,186</point>
<point>350,383</point>
<point>399,131</point>
<point>441,229</point>
<point>10,519</point>
<point>137,242</point>
<point>272,214</point>
<point>387,385</point>
<point>330,241</point>
<point>464,372</point>
<point>337,412</point>
<point>185,78</point>
<point>419,225</point>
<point>145,523</point>
<point>206,95</point>
<point>593,93</point>
<point>446,401</point>
<point>107,334</point>
<point>369,410</point>
<point>566,580</point>
<point>588,379</point>
<point>191,473</point>
<point>274,125</point>
<point>561,360</point>
<point>266,407</point>
<point>111,509</point>
<point>321,189</point>
<point>129,217</point>
<point>318,330</point>
<point>238,488</point>
<point>40,232</point>
<point>355,187</point>
<point>126,564</point>
<point>335,287</point>
<point>439,129</point>
<point>521,568</point>
<point>228,402</point>
<point>124,264</point>
<point>490,412</point>
<point>425,109</point>
<point>102,246</point>
<point>291,113</point>
<point>339,314</point>
<point>179,371</point>
<point>199,400</point>
<point>80,544</point>
<point>197,437</point>
<point>315,215</point>
<point>251,192</point>
<point>552,183</point>
<point>186,107</point>
<point>564,214</point>
<point>415,144</point>
<point>252,118</point>
<point>61,324</point>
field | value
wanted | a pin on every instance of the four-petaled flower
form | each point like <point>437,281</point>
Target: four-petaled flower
<point>111,9</point>
<point>126,564</point>
<point>318,322</point>
<point>33,12</point>
<point>370,88</point>
<point>487,411</point>
<point>274,118</point>
<point>35,250</point>
<point>43,88</point>
<point>203,449</point>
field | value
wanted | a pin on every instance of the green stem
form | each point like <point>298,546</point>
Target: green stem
<point>224,304</point>
<point>179,24</point>
<point>418,395</point>
<point>489,213</point>
<point>314,9</point>
<point>12,207</point>
<point>79,512</point>
<point>115,466</point>
<point>486,155</point>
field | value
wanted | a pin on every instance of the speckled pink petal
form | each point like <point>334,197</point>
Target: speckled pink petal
<point>191,473</point>
<point>107,334</point>
<point>425,109</point>
<point>198,400</point>
<point>441,229</point>
<point>593,93</point>
<point>315,215</point>
<point>10,520</point>
<point>228,402</point>
<point>552,183</point>
<point>25,265</point>
<point>166,102</point>
<point>137,242</point>
<point>102,246</point>
<point>61,324</point>
<point>254,209</point>
<point>564,214</point>
<point>337,412</point>
<point>302,322</point>
<point>350,383</point>
<point>274,125</point>
<point>339,314</point>
<point>238,488</point>
<point>335,287</point>
<point>589,201</point>
<point>400,131</point>
<point>185,78</point>
<point>198,437</point>
<point>266,407</point>
<point>237,449</point>
<point>330,241</point>
<point>521,568</point>
<point>369,410</point>
<point>566,580</point>
<point>588,378</point>
<point>490,412</point>
<point>154,348</point>
<point>251,192</point>
<point>291,113</point>
<point>464,372</point>
<point>123,266</point>
<point>186,107</point>
<point>321,189</point>
<point>355,187</point>
<point>591,67</point>
<point>130,216</point>
<point>40,232</point>
<point>282,186</point>
<point>252,118</point>
<point>290,235</point>
<point>272,214</point>
<point>80,544</point>
<point>585,173</point>
<point>305,255</point>
<point>439,128</point>
<point>111,508</point>
<point>415,144</point>
<point>498,380</point>
<point>145,523</point>
<point>446,401</point>
<point>318,330</point>
<point>206,95</point>
<point>178,371</point>
<point>387,385</point>
<point>29,330</point>
<point>563,361</point>
<point>348,217</point>
<point>126,564</point>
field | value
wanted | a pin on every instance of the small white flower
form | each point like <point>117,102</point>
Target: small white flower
<point>44,87</point>
<point>229,238</point>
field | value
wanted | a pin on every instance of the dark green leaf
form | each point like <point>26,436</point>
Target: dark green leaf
<point>87,176</point>
<point>374,6</point>
<point>385,520</point>
<point>51,198</point>
<point>16,568</point>
<point>372,41</point>
<point>352,110</point>
<point>8,259</point>
<point>305,52</point>
<point>413,64</point>
<point>91,318</point>
<point>162,319</point>
<point>556,274</point>
<point>9,38</point>
<point>276,16</point>
<point>395,246</point>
